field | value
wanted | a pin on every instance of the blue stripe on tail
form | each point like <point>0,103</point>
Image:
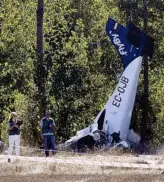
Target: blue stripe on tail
<point>130,42</point>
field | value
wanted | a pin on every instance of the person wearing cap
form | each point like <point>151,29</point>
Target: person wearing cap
<point>14,134</point>
<point>47,125</point>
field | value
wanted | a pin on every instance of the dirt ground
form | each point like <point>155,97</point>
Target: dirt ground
<point>127,177</point>
<point>28,171</point>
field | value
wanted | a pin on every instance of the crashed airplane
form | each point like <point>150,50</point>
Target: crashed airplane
<point>111,126</point>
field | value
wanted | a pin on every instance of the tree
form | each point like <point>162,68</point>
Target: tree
<point>145,122</point>
<point>40,69</point>
<point>73,68</point>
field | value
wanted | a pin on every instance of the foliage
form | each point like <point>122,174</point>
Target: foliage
<point>80,65</point>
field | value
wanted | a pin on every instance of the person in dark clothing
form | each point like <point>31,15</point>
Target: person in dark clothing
<point>47,125</point>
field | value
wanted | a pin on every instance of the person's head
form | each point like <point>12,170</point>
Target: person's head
<point>48,113</point>
<point>13,115</point>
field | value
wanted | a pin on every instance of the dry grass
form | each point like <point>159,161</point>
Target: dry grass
<point>19,171</point>
<point>83,178</point>
<point>49,173</point>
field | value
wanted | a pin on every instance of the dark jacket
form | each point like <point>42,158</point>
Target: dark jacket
<point>14,130</point>
<point>47,126</point>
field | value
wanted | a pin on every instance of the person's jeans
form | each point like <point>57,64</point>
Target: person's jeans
<point>49,143</point>
<point>14,140</point>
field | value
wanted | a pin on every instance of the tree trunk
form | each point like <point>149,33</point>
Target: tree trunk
<point>144,123</point>
<point>39,76</point>
<point>0,35</point>
<point>128,11</point>
<point>40,69</point>
<point>0,18</point>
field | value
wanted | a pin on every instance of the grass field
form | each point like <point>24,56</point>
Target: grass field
<point>26,171</point>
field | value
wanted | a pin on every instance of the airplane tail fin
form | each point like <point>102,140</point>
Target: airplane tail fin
<point>139,39</point>
<point>130,42</point>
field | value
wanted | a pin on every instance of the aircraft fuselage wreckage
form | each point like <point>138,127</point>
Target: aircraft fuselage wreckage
<point>111,126</point>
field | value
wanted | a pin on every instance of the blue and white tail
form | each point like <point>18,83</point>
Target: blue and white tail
<point>131,43</point>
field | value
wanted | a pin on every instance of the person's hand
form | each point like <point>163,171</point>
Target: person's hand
<point>11,127</point>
